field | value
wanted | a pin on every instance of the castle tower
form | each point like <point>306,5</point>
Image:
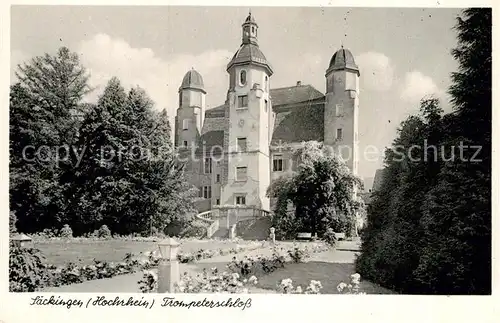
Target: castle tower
<point>191,110</point>
<point>249,113</point>
<point>341,107</point>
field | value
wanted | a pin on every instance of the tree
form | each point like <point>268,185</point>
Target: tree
<point>130,179</point>
<point>456,257</point>
<point>42,104</point>
<point>429,226</point>
<point>322,191</point>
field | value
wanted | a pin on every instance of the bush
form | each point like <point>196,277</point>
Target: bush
<point>297,254</point>
<point>329,237</point>
<point>255,266</point>
<point>195,229</point>
<point>66,232</point>
<point>27,269</point>
<point>104,232</point>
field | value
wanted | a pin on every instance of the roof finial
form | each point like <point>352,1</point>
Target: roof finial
<point>249,11</point>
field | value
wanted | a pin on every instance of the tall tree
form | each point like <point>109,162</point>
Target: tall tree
<point>429,226</point>
<point>42,125</point>
<point>127,181</point>
<point>456,257</point>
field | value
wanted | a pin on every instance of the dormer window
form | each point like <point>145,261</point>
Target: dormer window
<point>243,77</point>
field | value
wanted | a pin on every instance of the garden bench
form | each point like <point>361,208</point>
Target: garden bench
<point>340,235</point>
<point>304,236</point>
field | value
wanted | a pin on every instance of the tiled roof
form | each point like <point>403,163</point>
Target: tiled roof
<point>294,95</point>
<point>217,112</point>
<point>302,123</point>
<point>249,53</point>
<point>212,138</point>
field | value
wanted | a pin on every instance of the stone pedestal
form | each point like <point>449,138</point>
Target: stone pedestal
<point>272,236</point>
<point>168,276</point>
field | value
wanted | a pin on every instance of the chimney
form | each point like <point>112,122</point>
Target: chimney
<point>299,83</point>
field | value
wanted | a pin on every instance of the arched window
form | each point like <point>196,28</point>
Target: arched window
<point>243,77</point>
<point>266,84</point>
<point>253,30</point>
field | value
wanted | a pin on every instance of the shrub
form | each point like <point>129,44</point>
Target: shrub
<point>286,287</point>
<point>249,266</point>
<point>297,254</point>
<point>352,287</point>
<point>66,232</point>
<point>195,229</point>
<point>329,237</point>
<point>104,232</point>
<point>27,269</point>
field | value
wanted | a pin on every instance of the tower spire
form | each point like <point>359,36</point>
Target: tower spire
<point>249,30</point>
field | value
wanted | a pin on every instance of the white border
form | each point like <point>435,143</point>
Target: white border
<point>273,308</point>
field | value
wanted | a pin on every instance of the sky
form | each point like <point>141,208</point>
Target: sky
<point>403,53</point>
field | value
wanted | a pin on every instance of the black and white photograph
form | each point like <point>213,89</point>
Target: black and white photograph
<point>249,150</point>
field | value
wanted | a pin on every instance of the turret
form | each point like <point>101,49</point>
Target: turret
<point>341,107</point>
<point>191,111</point>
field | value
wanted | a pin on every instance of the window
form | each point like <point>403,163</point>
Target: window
<point>217,202</point>
<point>241,200</point>
<point>241,174</point>
<point>253,29</point>
<point>208,165</point>
<point>242,101</point>
<point>217,178</point>
<point>185,124</point>
<point>207,192</point>
<point>185,143</point>
<point>266,83</point>
<point>339,110</point>
<point>180,99</point>
<point>339,134</point>
<point>277,163</point>
<point>242,144</point>
<point>243,77</point>
<point>265,105</point>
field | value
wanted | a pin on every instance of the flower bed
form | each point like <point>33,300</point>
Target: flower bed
<point>214,281</point>
<point>242,273</point>
<point>23,278</point>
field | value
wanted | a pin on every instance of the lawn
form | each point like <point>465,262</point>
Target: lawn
<point>61,252</point>
<point>330,268</point>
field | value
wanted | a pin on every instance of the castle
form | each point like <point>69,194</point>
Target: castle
<point>234,151</point>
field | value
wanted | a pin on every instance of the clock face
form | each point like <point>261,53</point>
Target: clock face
<point>241,123</point>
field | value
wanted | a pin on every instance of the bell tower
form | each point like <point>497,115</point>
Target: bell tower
<point>250,113</point>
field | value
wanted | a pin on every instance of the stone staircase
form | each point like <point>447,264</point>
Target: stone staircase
<point>222,222</point>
